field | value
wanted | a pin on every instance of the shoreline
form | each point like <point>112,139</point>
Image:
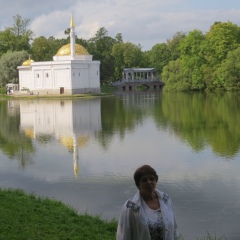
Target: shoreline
<point>54,96</point>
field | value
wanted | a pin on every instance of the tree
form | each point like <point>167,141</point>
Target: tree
<point>193,58</point>
<point>221,38</point>
<point>159,56</point>
<point>7,41</point>
<point>132,55</point>
<point>44,49</point>
<point>126,55</point>
<point>19,27</point>
<point>228,74</point>
<point>117,54</point>
<point>8,66</point>
<point>174,78</point>
<point>119,38</point>
<point>174,43</point>
<point>17,37</point>
<point>100,47</point>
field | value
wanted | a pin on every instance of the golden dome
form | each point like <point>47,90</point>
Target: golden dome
<point>66,50</point>
<point>27,62</point>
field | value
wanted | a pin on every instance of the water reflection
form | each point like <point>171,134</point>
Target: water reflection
<point>70,122</point>
<point>84,153</point>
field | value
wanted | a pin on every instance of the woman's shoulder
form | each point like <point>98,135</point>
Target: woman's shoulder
<point>133,202</point>
<point>163,196</point>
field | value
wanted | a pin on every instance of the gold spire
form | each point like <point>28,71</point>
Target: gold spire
<point>72,24</point>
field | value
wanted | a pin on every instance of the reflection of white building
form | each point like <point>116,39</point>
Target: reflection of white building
<point>72,71</point>
<point>72,122</point>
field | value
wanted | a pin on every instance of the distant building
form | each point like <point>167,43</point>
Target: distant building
<point>72,71</point>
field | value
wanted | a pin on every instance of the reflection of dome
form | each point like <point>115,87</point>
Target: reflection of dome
<point>29,132</point>
<point>76,169</point>
<point>27,62</point>
<point>66,50</point>
<point>68,142</point>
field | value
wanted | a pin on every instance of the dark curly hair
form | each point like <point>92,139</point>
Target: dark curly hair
<point>144,170</point>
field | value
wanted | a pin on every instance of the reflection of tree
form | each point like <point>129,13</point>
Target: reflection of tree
<point>202,119</point>
<point>13,143</point>
<point>118,117</point>
<point>44,139</point>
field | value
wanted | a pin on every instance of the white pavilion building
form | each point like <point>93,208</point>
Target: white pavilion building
<point>72,71</point>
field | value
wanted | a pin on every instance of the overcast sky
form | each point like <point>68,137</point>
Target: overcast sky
<point>144,22</point>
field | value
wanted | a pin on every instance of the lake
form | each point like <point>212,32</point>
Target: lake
<point>84,152</point>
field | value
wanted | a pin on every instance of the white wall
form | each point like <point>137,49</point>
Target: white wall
<point>75,76</point>
<point>24,79</point>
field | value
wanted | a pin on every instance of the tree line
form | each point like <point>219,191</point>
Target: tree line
<point>187,61</point>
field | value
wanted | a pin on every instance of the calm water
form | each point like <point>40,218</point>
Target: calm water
<point>84,153</point>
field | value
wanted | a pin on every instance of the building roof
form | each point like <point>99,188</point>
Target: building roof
<point>27,62</point>
<point>66,50</point>
<point>139,70</point>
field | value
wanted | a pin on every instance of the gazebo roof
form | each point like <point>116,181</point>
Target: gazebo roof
<point>139,70</point>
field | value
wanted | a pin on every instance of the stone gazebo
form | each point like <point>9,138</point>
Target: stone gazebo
<point>133,77</point>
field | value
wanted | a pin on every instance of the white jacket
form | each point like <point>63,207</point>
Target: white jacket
<point>133,226</point>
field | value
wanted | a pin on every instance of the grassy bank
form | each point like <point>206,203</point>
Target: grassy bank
<point>26,217</point>
<point>29,217</point>
<point>105,91</point>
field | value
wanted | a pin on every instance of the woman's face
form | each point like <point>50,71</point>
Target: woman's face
<point>147,183</point>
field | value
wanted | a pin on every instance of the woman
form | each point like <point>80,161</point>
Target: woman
<point>148,215</point>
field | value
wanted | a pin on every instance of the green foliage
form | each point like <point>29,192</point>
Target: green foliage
<point>17,37</point>
<point>203,60</point>
<point>8,41</point>
<point>117,54</point>
<point>228,73</point>
<point>2,90</point>
<point>192,55</point>
<point>126,55</point>
<point>100,47</point>
<point>174,78</point>
<point>8,66</point>
<point>132,55</point>
<point>44,49</point>
<point>160,56</point>
<point>221,38</point>
<point>174,44</point>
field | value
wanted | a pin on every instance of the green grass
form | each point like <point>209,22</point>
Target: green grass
<point>29,217</point>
